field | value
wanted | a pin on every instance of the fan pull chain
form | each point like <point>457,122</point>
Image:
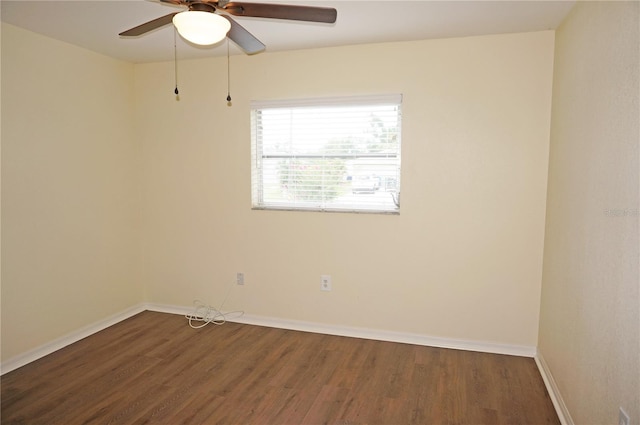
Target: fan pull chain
<point>228,77</point>
<point>175,62</point>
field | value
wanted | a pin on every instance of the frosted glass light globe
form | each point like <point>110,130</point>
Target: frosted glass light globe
<point>203,28</point>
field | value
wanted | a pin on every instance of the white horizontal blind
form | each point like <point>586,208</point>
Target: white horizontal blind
<point>329,154</point>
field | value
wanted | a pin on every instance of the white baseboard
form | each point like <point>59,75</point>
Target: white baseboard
<point>554,392</point>
<point>354,332</point>
<point>57,344</point>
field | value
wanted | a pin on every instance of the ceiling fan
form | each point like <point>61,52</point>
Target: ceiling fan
<point>215,14</point>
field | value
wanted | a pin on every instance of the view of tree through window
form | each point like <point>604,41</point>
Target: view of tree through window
<point>339,154</point>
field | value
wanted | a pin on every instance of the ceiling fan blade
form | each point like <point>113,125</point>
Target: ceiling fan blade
<point>149,26</point>
<point>243,38</point>
<point>282,11</point>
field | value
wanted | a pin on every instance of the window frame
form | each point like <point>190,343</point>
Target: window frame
<point>258,156</point>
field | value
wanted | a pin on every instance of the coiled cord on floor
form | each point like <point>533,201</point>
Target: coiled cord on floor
<point>204,314</point>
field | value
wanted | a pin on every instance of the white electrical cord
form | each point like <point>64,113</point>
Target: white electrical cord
<point>207,314</point>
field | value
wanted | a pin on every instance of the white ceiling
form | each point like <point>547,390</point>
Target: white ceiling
<point>95,24</point>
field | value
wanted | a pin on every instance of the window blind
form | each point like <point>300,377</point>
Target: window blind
<point>328,154</point>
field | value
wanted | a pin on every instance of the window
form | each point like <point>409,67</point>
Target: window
<point>337,154</point>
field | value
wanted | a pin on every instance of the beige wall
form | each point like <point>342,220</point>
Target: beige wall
<point>462,260</point>
<point>69,190</point>
<point>83,135</point>
<point>590,317</point>
<point>0,193</point>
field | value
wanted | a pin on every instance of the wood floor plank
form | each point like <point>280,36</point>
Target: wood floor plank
<point>154,369</point>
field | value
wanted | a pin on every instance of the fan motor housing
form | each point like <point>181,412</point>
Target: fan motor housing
<point>202,7</point>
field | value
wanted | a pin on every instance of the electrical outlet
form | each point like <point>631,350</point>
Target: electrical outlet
<point>623,418</point>
<point>240,278</point>
<point>325,282</point>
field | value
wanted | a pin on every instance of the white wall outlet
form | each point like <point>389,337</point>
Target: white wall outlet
<point>623,418</point>
<point>325,282</point>
<point>240,278</point>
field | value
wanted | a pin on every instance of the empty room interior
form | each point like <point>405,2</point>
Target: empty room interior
<point>130,188</point>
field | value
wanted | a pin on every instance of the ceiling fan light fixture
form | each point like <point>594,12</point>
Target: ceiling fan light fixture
<point>203,28</point>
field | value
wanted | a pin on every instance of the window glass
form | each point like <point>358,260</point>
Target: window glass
<point>338,154</point>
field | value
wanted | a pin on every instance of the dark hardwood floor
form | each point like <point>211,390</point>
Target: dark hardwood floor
<point>153,368</point>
